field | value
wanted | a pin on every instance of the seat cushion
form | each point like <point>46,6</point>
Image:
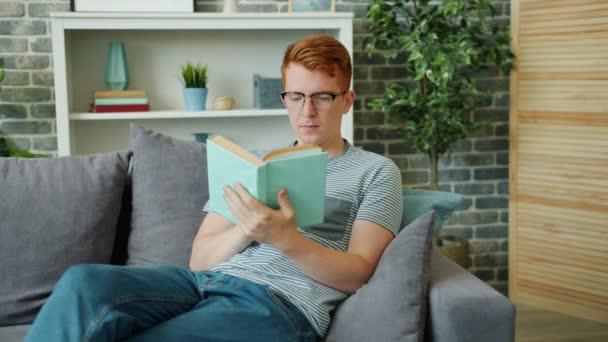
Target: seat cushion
<point>54,213</point>
<point>169,184</point>
<point>392,305</point>
<point>14,333</point>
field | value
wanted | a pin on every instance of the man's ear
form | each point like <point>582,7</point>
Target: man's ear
<point>349,98</point>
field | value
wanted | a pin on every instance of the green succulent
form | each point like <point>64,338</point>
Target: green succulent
<point>195,76</point>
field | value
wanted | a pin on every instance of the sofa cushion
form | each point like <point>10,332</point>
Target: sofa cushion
<point>15,333</point>
<point>169,178</point>
<point>54,213</point>
<point>417,202</point>
<point>392,305</point>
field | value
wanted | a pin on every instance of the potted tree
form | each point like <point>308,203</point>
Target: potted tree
<point>441,44</point>
<point>7,149</point>
<point>195,82</point>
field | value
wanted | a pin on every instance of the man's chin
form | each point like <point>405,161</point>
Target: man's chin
<point>308,139</point>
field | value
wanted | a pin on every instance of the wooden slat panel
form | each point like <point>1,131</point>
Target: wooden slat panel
<point>568,283</point>
<point>532,105</point>
<point>597,11</point>
<point>564,43</point>
<point>550,251</point>
<point>583,234</point>
<point>560,6</point>
<point>564,248</point>
<point>559,69</point>
<point>553,56</point>
<point>587,162</point>
<point>569,83</point>
<point>554,140</point>
<point>587,219</point>
<point>574,278</point>
<point>584,183</point>
<point>587,196</point>
<point>595,280</point>
<point>593,122</point>
<point>565,37</point>
<point>554,240</point>
<point>558,167</point>
<point>560,238</point>
<point>582,28</point>
<point>565,303</point>
<point>563,76</point>
<point>565,294</point>
<point>566,23</point>
<point>574,62</point>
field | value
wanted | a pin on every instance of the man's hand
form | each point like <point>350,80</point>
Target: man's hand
<point>257,221</point>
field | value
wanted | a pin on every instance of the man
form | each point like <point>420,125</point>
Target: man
<point>262,279</point>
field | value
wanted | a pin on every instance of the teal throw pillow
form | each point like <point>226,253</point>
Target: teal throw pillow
<point>418,202</point>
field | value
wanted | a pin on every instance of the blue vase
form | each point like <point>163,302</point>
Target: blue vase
<point>117,73</point>
<point>195,99</point>
<point>201,137</point>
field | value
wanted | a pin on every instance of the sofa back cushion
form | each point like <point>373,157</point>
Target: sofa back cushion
<point>54,213</point>
<point>392,305</point>
<point>169,190</point>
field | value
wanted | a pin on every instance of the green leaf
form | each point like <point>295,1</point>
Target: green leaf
<point>433,108</point>
<point>430,75</point>
<point>1,69</point>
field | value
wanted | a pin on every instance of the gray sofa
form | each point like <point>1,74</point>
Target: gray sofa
<point>143,207</point>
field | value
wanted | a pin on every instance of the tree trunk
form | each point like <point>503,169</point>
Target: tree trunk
<point>433,158</point>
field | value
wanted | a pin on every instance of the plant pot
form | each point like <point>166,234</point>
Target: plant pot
<point>195,99</point>
<point>455,248</point>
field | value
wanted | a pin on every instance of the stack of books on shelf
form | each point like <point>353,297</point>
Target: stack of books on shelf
<point>111,101</point>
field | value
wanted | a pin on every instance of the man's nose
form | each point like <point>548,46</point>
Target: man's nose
<point>308,109</point>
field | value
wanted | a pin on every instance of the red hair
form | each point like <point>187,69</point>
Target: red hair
<point>320,52</point>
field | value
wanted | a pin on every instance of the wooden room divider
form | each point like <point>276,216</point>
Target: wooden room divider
<point>558,214</point>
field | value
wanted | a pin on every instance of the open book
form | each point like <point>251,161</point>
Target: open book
<point>300,169</point>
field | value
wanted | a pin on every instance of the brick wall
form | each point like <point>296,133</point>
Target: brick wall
<point>477,168</point>
<point>27,111</point>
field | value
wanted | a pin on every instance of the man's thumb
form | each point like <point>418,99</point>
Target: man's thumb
<point>284,201</point>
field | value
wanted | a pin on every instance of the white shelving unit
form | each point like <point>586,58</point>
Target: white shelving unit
<point>235,46</point>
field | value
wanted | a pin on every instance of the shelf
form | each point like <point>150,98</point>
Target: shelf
<point>197,21</point>
<point>164,114</point>
<point>234,46</point>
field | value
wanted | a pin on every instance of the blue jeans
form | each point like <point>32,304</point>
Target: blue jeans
<point>164,303</point>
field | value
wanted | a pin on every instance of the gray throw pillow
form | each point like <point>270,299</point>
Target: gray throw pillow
<point>54,213</point>
<point>392,305</point>
<point>169,178</point>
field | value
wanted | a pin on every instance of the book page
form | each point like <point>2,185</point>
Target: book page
<point>292,151</point>
<point>238,150</point>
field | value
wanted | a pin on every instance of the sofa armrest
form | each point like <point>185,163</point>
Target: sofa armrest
<point>464,308</point>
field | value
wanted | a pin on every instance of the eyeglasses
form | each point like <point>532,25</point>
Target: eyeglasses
<point>321,101</point>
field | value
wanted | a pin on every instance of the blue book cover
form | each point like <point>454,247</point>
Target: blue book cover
<point>300,169</point>
<point>119,101</point>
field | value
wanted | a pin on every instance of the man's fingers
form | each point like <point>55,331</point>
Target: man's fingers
<point>245,196</point>
<point>283,200</point>
<point>235,203</point>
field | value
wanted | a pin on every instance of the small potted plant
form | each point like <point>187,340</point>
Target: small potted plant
<point>195,82</point>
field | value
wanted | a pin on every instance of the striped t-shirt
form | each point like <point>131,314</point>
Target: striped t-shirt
<point>360,185</point>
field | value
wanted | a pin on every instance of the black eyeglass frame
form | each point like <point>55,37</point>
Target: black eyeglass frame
<point>333,96</point>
